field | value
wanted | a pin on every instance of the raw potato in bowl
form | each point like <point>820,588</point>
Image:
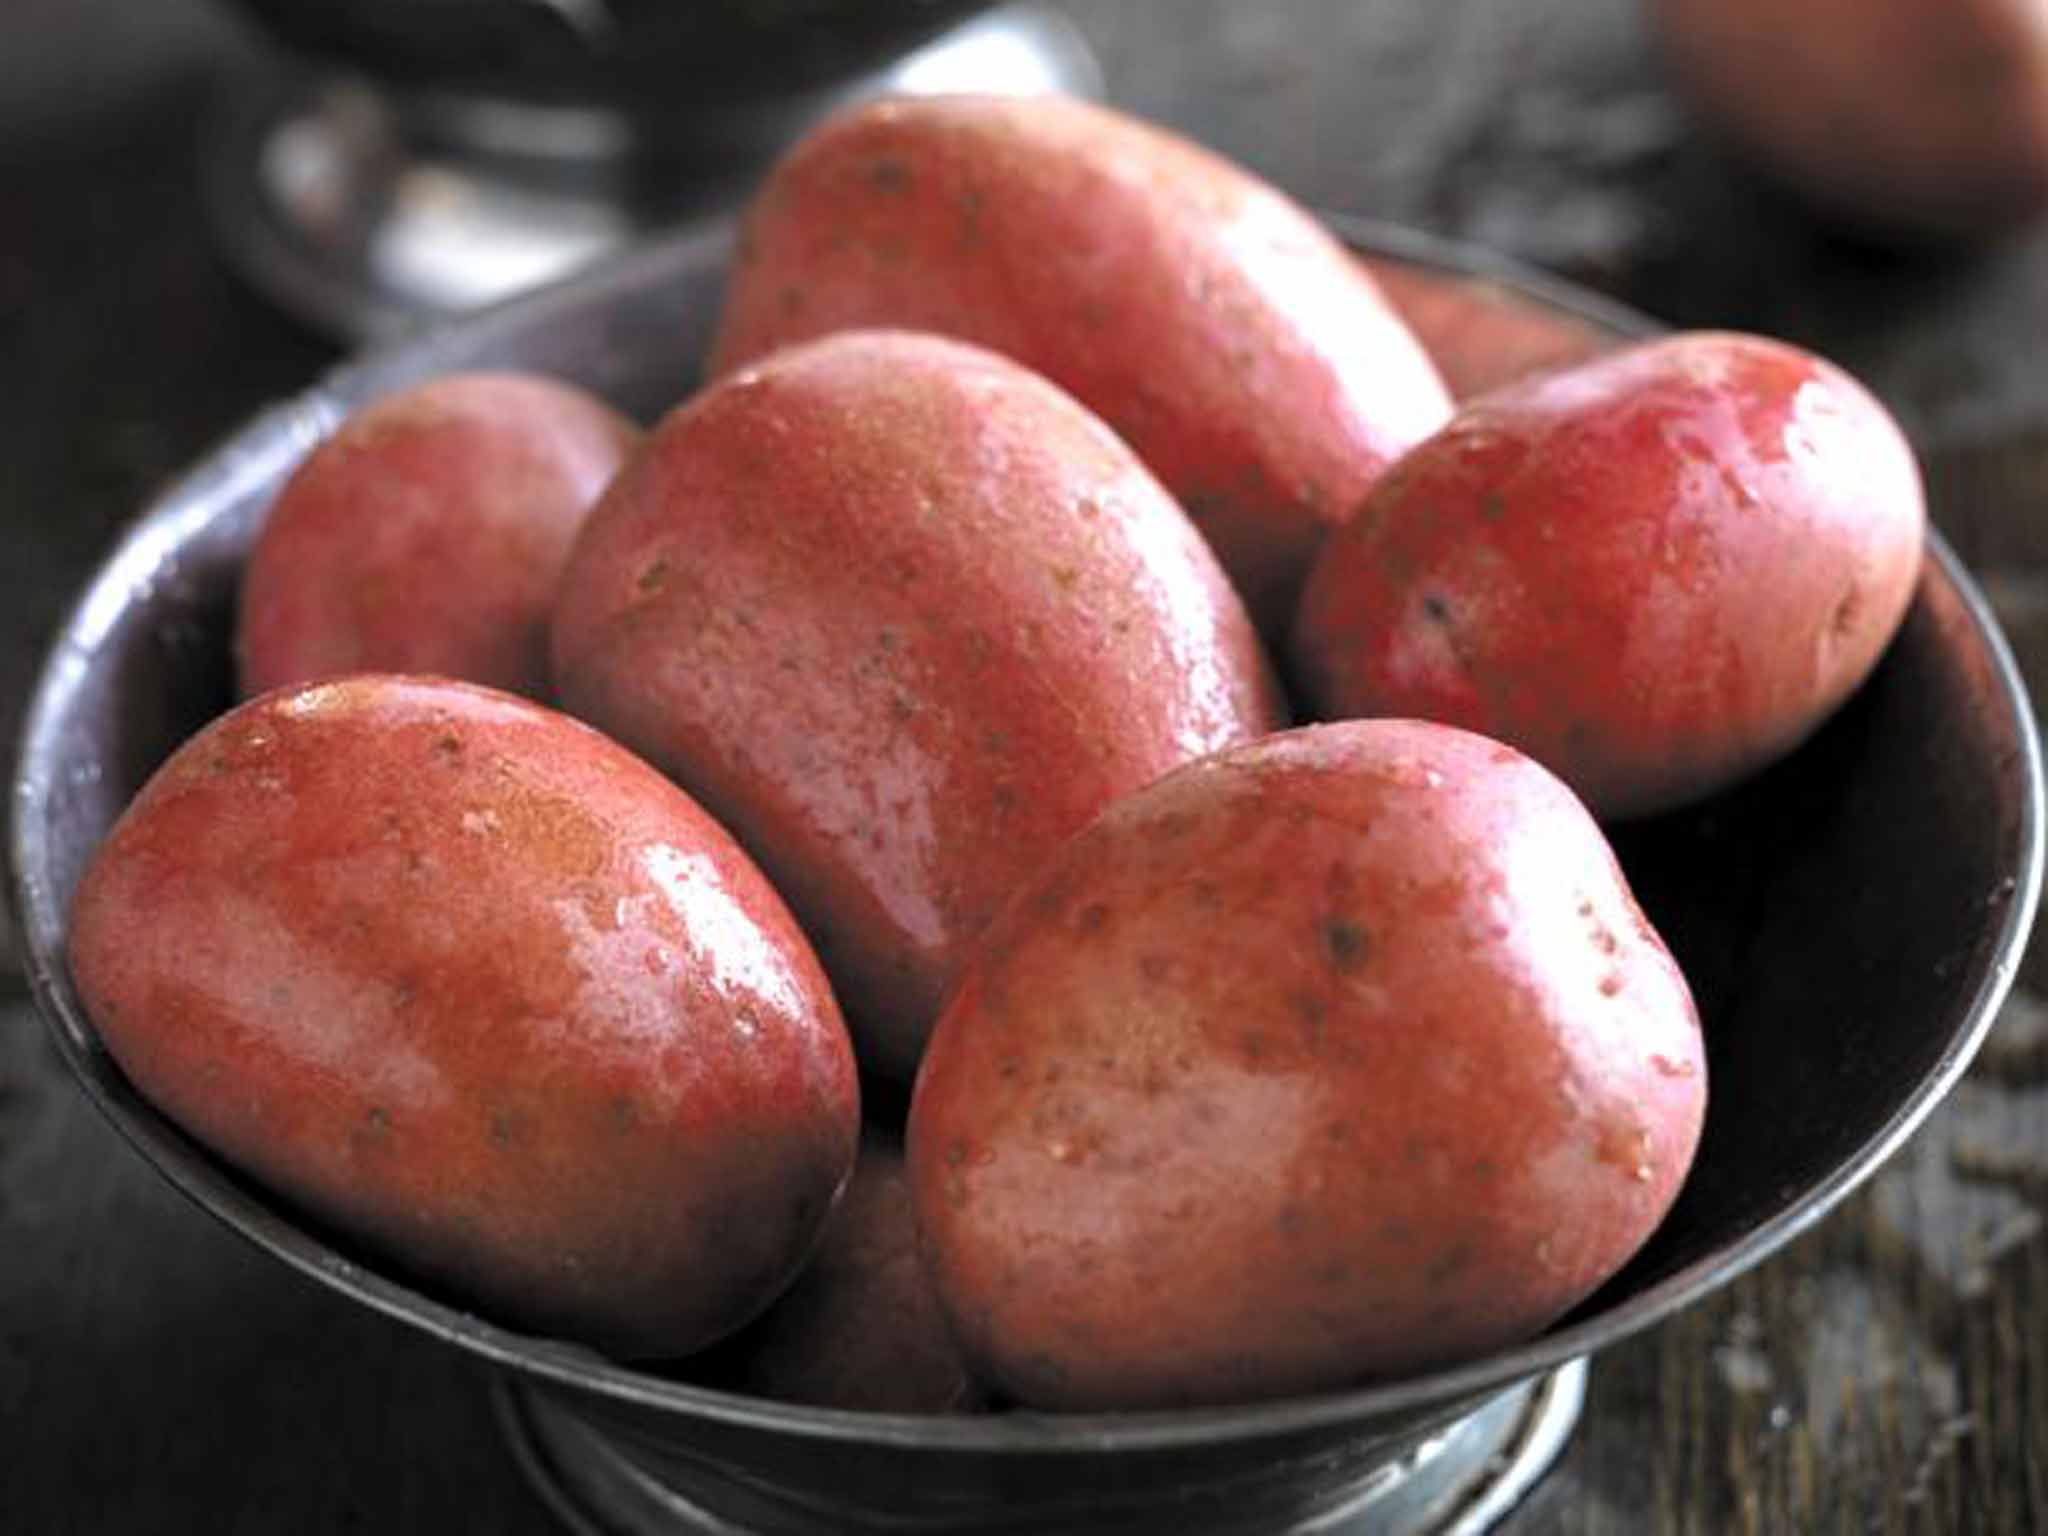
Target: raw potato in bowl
<point>903,616</point>
<point>1656,572</point>
<point>428,535</point>
<point>1227,337</point>
<point>478,988</point>
<point>1268,1064</point>
<point>1334,1057</point>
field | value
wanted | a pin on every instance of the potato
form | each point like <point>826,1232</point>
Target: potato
<point>1907,117</point>
<point>1216,326</point>
<point>1481,334</point>
<point>480,990</point>
<point>1654,573</point>
<point>1337,1056</point>
<point>903,616</point>
<point>427,535</point>
<point>861,1327</point>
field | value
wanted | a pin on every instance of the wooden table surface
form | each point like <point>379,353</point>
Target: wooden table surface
<point>1885,1373</point>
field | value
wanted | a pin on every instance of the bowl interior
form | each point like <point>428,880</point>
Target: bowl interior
<point>1849,920</point>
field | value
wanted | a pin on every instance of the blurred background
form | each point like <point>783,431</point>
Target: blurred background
<point>184,200</point>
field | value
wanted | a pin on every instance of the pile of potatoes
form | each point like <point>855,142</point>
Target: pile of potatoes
<point>905,719</point>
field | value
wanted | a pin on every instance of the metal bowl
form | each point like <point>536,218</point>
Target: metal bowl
<point>1850,920</point>
<point>643,55</point>
<point>416,159</point>
<point>426,158</point>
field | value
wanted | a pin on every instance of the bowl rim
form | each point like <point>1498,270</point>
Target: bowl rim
<point>272,439</point>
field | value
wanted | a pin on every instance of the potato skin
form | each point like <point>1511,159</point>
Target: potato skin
<point>1655,573</point>
<point>1481,334</point>
<point>1330,1058</point>
<point>861,1328</point>
<point>903,616</point>
<point>1915,118</point>
<point>427,534</point>
<point>475,986</point>
<point>1214,324</point>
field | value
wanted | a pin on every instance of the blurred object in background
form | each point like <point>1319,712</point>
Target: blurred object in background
<point>1905,118</point>
<point>417,158</point>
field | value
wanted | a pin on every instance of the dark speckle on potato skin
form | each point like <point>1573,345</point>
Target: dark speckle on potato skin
<point>1449,1264</point>
<point>889,174</point>
<point>1847,613</point>
<point>374,1133</point>
<point>1347,944</point>
<point>1313,1013</point>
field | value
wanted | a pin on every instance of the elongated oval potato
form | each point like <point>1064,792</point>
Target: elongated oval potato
<point>903,616</point>
<point>1219,328</point>
<point>474,985</point>
<point>1655,572</point>
<point>1337,1056</point>
<point>427,535</point>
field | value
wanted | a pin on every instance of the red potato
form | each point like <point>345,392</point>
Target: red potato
<point>1918,117</point>
<point>861,1328</point>
<point>427,534</point>
<point>475,986</point>
<point>1654,573</point>
<point>1216,326</point>
<point>903,616</point>
<point>1334,1057</point>
<point>1481,334</point>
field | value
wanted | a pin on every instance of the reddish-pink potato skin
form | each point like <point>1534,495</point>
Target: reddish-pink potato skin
<point>1481,334</point>
<point>1924,118</point>
<point>861,1328</point>
<point>902,616</point>
<point>1331,1058</point>
<point>1655,573</point>
<point>1214,324</point>
<point>427,535</point>
<point>473,984</point>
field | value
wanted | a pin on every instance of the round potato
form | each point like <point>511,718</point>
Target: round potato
<point>1907,117</point>
<point>1655,572</point>
<point>1333,1057</point>
<point>903,616</point>
<point>1215,325</point>
<point>427,534</point>
<point>477,987</point>
<point>861,1327</point>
